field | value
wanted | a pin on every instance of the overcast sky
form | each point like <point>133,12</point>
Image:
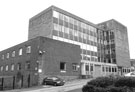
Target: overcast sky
<point>15,14</point>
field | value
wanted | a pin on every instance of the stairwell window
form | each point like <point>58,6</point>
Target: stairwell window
<point>20,51</point>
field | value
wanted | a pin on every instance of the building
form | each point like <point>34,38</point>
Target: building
<point>61,25</point>
<point>116,45</point>
<point>26,64</point>
<point>132,64</point>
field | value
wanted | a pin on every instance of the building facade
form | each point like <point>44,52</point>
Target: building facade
<point>116,45</point>
<point>61,25</point>
<point>28,63</point>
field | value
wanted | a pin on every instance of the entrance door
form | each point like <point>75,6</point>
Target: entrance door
<point>28,80</point>
<point>97,71</point>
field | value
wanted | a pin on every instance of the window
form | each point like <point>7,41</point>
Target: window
<point>1,68</point>
<point>74,66</point>
<point>109,69</point>
<point>91,67</point>
<point>7,55</point>
<point>115,69</point>
<point>19,66</point>
<point>62,66</point>
<point>2,57</point>
<point>13,54</point>
<point>6,67</point>
<point>28,49</point>
<point>20,51</point>
<point>27,66</point>
<point>103,68</point>
<point>112,69</point>
<point>55,14</point>
<point>12,67</point>
<point>87,67</point>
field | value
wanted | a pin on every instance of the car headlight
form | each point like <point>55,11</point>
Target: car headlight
<point>58,81</point>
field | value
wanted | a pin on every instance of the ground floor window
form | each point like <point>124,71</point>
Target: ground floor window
<point>87,67</point>
<point>62,66</point>
<point>74,66</point>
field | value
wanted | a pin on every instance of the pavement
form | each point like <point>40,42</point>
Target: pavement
<point>69,85</point>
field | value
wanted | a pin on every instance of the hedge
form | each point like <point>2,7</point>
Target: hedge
<point>110,84</point>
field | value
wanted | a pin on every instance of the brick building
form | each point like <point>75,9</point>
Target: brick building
<point>59,24</point>
<point>65,45</point>
<point>26,64</point>
<point>116,47</point>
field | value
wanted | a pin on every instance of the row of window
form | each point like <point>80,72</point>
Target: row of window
<point>76,33</point>
<point>73,21</point>
<point>109,69</point>
<point>89,67</point>
<point>63,66</point>
<point>82,45</point>
<point>12,67</point>
<point>13,53</point>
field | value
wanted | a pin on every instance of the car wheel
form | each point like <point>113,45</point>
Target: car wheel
<point>44,83</point>
<point>55,84</point>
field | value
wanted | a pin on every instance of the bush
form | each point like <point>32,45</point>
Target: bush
<point>88,88</point>
<point>102,82</point>
<point>123,81</point>
<point>117,89</point>
<point>110,84</point>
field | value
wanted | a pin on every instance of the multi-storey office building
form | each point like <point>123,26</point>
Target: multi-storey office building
<point>61,25</point>
<point>26,64</point>
<point>116,45</point>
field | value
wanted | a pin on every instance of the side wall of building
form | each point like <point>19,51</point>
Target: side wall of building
<point>57,52</point>
<point>41,25</point>
<point>21,70</point>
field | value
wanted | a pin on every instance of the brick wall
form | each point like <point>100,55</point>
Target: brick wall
<point>40,25</point>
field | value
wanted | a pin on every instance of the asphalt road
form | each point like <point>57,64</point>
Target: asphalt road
<point>72,86</point>
<point>76,90</point>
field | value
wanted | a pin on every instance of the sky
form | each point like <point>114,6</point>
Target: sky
<point>15,15</point>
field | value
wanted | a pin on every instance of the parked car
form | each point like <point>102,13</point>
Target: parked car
<point>56,81</point>
<point>131,74</point>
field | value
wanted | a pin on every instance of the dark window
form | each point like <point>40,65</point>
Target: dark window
<point>112,69</point>
<point>27,66</point>
<point>109,69</point>
<point>87,67</point>
<point>103,68</point>
<point>62,66</point>
<point>91,67</point>
<point>19,66</point>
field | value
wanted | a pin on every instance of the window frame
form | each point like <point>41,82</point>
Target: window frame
<point>20,51</point>
<point>64,65</point>
<point>13,53</point>
<point>28,49</point>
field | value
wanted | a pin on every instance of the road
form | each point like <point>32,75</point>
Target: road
<point>67,87</point>
<point>73,86</point>
<point>76,90</point>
